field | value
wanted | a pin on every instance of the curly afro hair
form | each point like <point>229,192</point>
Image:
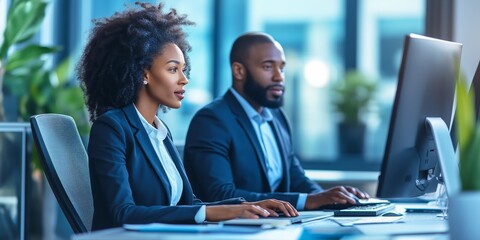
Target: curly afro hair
<point>120,48</point>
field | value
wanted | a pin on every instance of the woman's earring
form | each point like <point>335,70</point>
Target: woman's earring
<point>145,82</point>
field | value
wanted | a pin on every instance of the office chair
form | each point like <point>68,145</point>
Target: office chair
<point>65,164</point>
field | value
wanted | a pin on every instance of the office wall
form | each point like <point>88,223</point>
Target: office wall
<point>465,30</point>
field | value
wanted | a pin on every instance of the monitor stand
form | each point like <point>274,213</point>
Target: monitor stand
<point>450,180</point>
<point>446,154</point>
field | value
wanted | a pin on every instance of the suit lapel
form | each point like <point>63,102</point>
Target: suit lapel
<point>187,188</point>
<point>285,185</point>
<point>145,144</point>
<point>246,125</point>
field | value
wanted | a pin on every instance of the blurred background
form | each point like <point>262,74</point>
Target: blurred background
<point>343,58</point>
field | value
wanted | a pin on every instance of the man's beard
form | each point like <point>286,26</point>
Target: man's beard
<point>259,94</point>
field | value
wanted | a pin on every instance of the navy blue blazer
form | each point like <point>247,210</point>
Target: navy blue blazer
<point>129,184</point>
<point>223,156</point>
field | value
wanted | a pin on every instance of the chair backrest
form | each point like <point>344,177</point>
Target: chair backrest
<point>65,163</point>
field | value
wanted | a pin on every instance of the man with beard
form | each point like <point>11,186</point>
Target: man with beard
<point>240,145</point>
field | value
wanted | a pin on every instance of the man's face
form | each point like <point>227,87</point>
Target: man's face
<point>264,83</point>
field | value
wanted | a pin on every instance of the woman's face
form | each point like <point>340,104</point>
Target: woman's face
<point>166,78</point>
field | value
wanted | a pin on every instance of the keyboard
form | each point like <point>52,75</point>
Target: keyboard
<point>279,221</point>
<point>360,202</point>
<point>364,210</point>
<point>304,217</point>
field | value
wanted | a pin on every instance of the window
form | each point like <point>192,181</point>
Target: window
<point>317,39</point>
<point>199,90</point>
<point>321,39</point>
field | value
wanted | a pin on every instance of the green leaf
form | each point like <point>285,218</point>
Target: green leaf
<point>27,54</point>
<point>468,131</point>
<point>469,165</point>
<point>38,15</point>
<point>23,21</point>
<point>64,71</point>
<point>27,69</point>
<point>23,105</point>
<point>465,116</point>
<point>13,4</point>
<point>68,100</point>
<point>17,85</point>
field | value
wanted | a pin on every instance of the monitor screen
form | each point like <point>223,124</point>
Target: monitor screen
<point>425,88</point>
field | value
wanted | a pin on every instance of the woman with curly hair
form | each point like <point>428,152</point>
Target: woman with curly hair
<point>133,63</point>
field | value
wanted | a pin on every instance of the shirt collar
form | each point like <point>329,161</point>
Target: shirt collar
<point>264,116</point>
<point>159,132</point>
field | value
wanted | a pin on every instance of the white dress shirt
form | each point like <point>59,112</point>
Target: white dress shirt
<point>266,137</point>
<point>157,135</point>
<point>267,140</point>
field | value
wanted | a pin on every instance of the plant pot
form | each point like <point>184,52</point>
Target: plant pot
<point>463,213</point>
<point>351,138</point>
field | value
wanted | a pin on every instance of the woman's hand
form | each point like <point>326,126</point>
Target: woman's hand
<point>258,209</point>
<point>217,213</point>
<point>273,206</point>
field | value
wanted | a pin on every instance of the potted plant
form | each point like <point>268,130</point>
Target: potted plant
<point>463,207</point>
<point>19,57</point>
<point>353,96</point>
<point>35,86</point>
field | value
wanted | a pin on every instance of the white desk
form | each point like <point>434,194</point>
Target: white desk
<point>292,232</point>
<point>413,226</point>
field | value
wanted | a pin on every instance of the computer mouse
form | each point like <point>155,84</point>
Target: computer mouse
<point>357,200</point>
<point>392,214</point>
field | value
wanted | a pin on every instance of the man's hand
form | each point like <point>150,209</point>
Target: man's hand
<point>335,195</point>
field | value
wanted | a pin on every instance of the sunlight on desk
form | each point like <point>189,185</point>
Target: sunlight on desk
<point>411,226</point>
<point>292,232</point>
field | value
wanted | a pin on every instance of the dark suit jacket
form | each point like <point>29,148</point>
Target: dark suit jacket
<point>129,184</point>
<point>224,158</point>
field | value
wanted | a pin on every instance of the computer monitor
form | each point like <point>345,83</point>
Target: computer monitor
<point>425,89</point>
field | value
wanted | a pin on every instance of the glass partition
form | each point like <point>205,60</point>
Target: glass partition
<point>13,166</point>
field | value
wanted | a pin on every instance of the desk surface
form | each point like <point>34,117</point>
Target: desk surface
<point>292,232</point>
<point>413,226</point>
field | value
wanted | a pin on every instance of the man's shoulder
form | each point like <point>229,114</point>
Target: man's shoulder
<point>217,106</point>
<point>217,102</point>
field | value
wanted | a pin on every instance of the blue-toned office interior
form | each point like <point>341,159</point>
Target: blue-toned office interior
<point>325,43</point>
